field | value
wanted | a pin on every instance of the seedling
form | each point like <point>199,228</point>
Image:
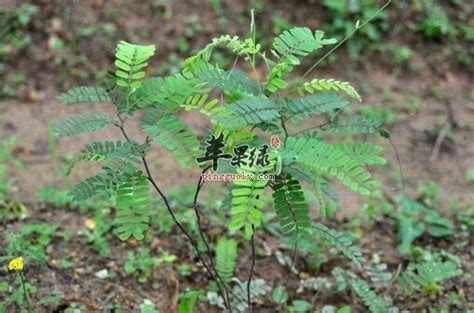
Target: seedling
<point>255,141</point>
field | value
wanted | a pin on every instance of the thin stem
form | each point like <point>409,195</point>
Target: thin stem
<point>311,128</point>
<point>25,292</point>
<point>439,140</point>
<point>253,30</point>
<point>124,133</point>
<point>264,60</point>
<point>203,237</point>
<point>181,227</point>
<point>397,156</point>
<point>173,216</point>
<point>283,125</point>
<point>356,28</point>
<point>318,126</point>
<point>294,257</point>
<point>233,66</point>
<point>252,266</point>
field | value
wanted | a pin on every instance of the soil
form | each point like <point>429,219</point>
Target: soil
<point>441,87</point>
<point>80,285</point>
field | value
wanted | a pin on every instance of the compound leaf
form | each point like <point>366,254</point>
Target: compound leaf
<point>83,123</point>
<point>290,205</point>
<point>84,94</point>
<point>226,258</point>
<point>176,137</point>
<point>132,206</point>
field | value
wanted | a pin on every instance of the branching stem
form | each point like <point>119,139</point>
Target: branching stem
<point>320,126</point>
<point>203,237</point>
<point>356,28</point>
<point>285,130</point>
<point>175,220</point>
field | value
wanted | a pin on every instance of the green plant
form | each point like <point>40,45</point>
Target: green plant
<point>300,306</point>
<point>141,264</point>
<point>14,37</point>
<point>95,230</point>
<point>401,54</point>
<point>240,291</point>
<point>31,241</point>
<point>436,22</point>
<point>20,295</point>
<point>17,265</point>
<point>470,175</point>
<point>242,109</point>
<point>280,23</point>
<point>345,14</point>
<point>226,258</point>
<point>188,300</point>
<point>425,276</point>
<point>384,114</point>
<point>428,193</point>
<point>53,195</point>
<point>374,302</point>
<point>7,185</point>
<point>279,295</point>
<point>332,309</point>
<point>414,219</point>
<point>147,306</point>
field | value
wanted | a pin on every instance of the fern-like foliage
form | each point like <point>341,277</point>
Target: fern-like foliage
<point>130,62</point>
<point>83,123</point>
<point>374,302</point>
<point>312,105</point>
<point>323,84</point>
<point>275,79</point>
<point>288,46</point>
<point>202,103</point>
<point>154,114</point>
<point>341,280</point>
<point>200,60</point>
<point>84,94</point>
<point>96,151</point>
<point>379,273</point>
<point>328,190</point>
<point>290,205</point>
<point>341,241</point>
<point>175,136</point>
<point>131,152</point>
<point>226,258</point>
<point>104,181</point>
<point>300,41</point>
<point>250,111</point>
<point>316,155</point>
<point>258,287</point>
<point>424,276</point>
<point>233,81</point>
<point>243,104</point>
<point>247,203</point>
<point>364,152</point>
<point>356,124</point>
<point>127,156</point>
<point>132,206</point>
<point>170,92</point>
<point>123,158</point>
